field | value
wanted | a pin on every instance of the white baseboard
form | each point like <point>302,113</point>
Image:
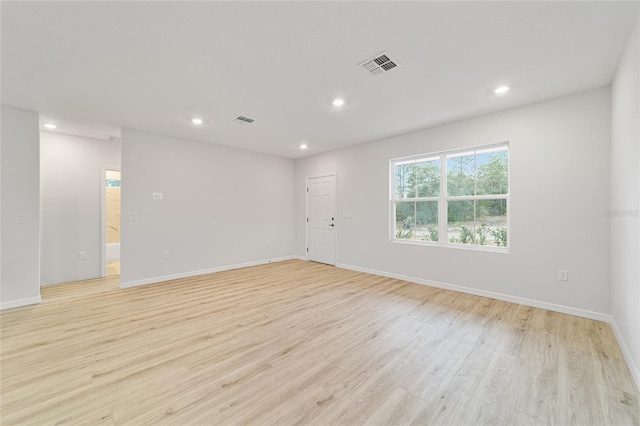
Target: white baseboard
<point>635,372</point>
<point>112,251</point>
<point>21,302</point>
<point>154,280</point>
<point>598,316</point>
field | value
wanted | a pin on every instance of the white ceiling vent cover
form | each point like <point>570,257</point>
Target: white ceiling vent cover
<point>380,64</point>
<point>244,120</point>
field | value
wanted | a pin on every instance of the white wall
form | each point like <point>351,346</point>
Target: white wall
<point>559,165</point>
<point>71,180</point>
<point>19,282</point>
<point>220,207</point>
<point>625,197</point>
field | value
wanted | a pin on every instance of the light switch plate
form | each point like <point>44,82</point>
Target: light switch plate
<point>21,218</point>
<point>563,275</point>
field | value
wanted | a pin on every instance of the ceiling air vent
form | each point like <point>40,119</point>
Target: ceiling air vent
<point>380,64</point>
<point>244,120</point>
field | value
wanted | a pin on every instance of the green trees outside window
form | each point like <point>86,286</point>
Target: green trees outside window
<point>470,189</point>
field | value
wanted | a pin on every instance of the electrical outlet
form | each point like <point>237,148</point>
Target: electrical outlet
<point>268,243</point>
<point>165,254</point>
<point>132,217</point>
<point>82,255</point>
<point>563,275</point>
<point>365,250</point>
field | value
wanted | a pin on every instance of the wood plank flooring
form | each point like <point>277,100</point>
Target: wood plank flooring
<point>113,268</point>
<point>303,343</point>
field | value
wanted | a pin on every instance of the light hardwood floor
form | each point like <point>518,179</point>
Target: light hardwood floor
<point>113,267</point>
<point>304,343</point>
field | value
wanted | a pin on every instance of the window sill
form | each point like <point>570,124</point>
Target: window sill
<point>490,249</point>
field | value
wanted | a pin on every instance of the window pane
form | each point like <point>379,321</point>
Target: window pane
<point>404,180</point>
<point>471,174</point>
<point>426,221</point>
<point>405,220</point>
<point>460,222</point>
<point>427,172</point>
<point>492,172</point>
<point>461,174</point>
<point>491,222</point>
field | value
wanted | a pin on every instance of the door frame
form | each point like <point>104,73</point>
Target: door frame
<point>103,217</point>
<point>335,214</point>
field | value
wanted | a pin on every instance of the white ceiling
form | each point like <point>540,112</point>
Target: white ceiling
<point>154,65</point>
<point>78,127</point>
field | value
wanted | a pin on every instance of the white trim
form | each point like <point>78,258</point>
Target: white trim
<point>110,248</point>
<point>635,371</point>
<point>598,316</point>
<point>155,280</point>
<point>489,249</point>
<point>20,302</point>
<point>467,197</point>
<point>335,214</point>
<point>103,218</point>
<point>483,148</point>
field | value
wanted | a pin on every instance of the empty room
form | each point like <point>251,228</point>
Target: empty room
<point>322,213</point>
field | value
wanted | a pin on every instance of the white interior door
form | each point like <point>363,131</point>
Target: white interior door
<point>321,219</point>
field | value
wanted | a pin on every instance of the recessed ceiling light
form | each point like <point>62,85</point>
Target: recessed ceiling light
<point>303,146</point>
<point>50,126</point>
<point>501,89</point>
<point>338,102</point>
<point>196,121</point>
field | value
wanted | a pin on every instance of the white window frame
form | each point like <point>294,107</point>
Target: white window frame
<point>443,200</point>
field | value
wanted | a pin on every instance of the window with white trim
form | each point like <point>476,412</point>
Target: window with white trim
<point>455,198</point>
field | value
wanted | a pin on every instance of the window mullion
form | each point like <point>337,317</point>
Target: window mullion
<point>442,203</point>
<point>478,197</point>
<point>415,220</point>
<point>416,199</point>
<point>475,191</point>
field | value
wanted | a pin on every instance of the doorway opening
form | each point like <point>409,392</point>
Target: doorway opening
<point>73,157</point>
<point>111,223</point>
